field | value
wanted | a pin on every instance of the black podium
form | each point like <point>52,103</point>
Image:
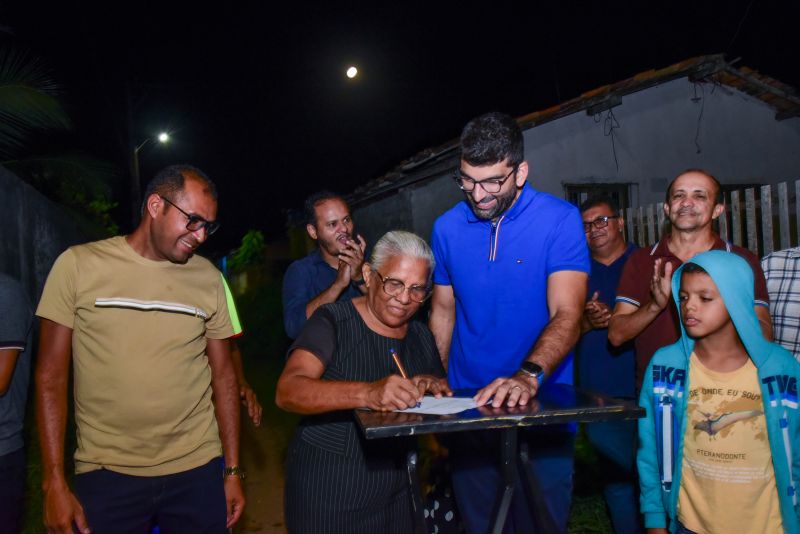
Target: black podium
<point>555,403</point>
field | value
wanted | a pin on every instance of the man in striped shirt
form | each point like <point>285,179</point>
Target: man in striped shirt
<point>782,270</point>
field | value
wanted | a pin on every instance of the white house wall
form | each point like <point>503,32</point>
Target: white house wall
<point>740,142</point>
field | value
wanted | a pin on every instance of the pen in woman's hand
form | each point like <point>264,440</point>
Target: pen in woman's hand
<point>396,359</point>
<point>402,370</point>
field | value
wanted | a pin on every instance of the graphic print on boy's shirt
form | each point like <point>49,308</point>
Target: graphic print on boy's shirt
<point>727,479</point>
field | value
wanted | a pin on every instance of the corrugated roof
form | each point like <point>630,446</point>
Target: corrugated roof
<point>784,99</point>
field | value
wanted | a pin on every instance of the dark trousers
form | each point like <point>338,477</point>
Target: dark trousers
<point>191,501</point>
<point>477,479</point>
<point>12,491</point>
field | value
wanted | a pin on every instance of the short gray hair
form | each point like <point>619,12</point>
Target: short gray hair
<point>401,243</point>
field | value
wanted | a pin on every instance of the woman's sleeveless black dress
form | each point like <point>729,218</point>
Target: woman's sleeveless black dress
<point>337,481</point>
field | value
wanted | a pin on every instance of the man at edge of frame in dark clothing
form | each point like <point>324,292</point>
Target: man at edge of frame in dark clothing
<point>15,370</point>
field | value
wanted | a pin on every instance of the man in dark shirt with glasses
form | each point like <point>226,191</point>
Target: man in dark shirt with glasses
<point>604,368</point>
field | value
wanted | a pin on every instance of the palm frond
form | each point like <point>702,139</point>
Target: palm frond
<point>28,101</point>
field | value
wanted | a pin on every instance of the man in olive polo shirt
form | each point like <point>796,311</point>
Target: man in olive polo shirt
<point>145,323</point>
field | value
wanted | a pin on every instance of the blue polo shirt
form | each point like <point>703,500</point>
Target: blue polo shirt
<point>601,366</point>
<point>499,272</point>
<point>305,279</point>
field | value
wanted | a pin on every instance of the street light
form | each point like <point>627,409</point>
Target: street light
<point>136,183</point>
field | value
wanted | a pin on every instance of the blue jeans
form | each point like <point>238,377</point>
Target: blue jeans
<point>477,479</point>
<point>683,530</point>
<point>192,501</point>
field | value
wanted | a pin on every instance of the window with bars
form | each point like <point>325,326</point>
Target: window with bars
<point>578,193</point>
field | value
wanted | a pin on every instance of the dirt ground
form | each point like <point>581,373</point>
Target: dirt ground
<point>262,451</point>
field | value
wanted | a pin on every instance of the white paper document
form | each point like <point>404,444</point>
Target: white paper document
<point>443,406</point>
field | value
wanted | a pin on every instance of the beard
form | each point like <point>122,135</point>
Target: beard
<point>332,245</point>
<point>504,201</point>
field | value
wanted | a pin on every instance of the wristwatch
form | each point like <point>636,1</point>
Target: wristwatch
<point>532,369</point>
<point>233,471</point>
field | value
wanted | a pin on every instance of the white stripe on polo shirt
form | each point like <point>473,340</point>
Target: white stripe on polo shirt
<point>149,305</point>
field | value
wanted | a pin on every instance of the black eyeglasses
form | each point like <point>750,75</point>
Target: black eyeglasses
<point>490,185</point>
<point>195,222</point>
<point>599,222</point>
<point>395,288</point>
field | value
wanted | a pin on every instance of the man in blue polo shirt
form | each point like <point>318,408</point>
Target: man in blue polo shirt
<point>607,369</point>
<point>330,273</point>
<point>510,288</point>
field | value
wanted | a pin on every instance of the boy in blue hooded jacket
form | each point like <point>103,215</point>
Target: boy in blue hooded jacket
<point>719,447</point>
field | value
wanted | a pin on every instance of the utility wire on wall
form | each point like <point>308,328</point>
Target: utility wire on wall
<point>702,101</point>
<point>610,124</point>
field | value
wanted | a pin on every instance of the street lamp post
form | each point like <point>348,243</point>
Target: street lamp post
<point>136,182</point>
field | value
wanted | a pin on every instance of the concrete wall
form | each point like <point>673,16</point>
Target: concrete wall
<point>413,208</point>
<point>739,139</point>
<point>378,217</point>
<point>33,232</point>
<point>430,199</point>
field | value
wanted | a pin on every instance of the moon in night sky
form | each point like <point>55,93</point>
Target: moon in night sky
<point>352,72</point>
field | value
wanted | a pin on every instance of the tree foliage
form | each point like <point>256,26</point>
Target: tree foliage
<point>250,253</point>
<point>28,102</point>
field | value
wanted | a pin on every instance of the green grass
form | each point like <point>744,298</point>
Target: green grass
<point>588,514</point>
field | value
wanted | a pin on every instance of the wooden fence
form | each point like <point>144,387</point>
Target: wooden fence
<point>750,219</point>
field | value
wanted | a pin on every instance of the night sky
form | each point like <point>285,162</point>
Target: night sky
<point>257,97</point>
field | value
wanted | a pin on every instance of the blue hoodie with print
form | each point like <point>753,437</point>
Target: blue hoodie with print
<point>665,390</point>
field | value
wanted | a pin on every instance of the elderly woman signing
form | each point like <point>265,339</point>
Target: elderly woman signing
<point>336,481</point>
